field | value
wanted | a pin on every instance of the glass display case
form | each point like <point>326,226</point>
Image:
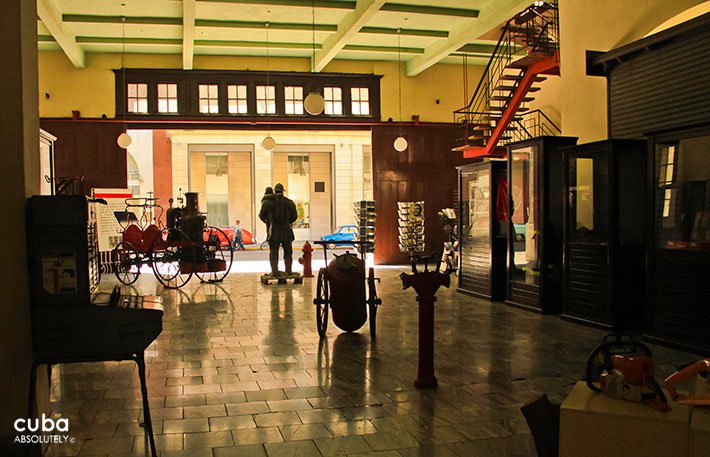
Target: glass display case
<point>482,228</point>
<point>604,234</point>
<point>679,242</point>
<point>535,225</point>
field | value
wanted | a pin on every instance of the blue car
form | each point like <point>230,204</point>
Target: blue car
<point>342,233</point>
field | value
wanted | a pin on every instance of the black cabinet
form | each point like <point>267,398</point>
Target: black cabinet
<point>535,225</point>
<point>604,234</point>
<point>678,286</point>
<point>482,229</point>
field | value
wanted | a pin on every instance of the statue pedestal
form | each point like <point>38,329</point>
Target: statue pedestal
<point>283,278</point>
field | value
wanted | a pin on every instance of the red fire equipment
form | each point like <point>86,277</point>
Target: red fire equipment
<point>306,260</point>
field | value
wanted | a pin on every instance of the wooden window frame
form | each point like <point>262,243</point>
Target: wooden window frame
<point>188,94</point>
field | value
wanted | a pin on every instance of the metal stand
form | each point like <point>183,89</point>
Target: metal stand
<point>425,283</point>
<point>138,358</point>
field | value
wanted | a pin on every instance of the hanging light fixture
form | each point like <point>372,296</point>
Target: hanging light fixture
<point>314,104</point>
<point>268,143</point>
<point>400,143</point>
<point>124,139</point>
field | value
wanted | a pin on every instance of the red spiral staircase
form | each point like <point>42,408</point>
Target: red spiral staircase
<point>497,113</point>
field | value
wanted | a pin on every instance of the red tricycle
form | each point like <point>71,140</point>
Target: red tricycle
<point>341,287</point>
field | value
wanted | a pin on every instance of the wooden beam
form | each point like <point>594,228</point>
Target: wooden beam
<point>51,17</point>
<point>188,33</point>
<point>408,32</point>
<point>390,49</point>
<point>493,13</point>
<point>430,10</point>
<point>332,4</point>
<point>347,29</point>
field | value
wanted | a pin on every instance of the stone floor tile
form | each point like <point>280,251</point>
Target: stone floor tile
<point>185,425</point>
<point>341,445</point>
<point>192,412</point>
<point>232,422</point>
<point>208,439</point>
<point>356,427</point>
<point>257,435</point>
<point>304,432</point>
<point>292,449</point>
<point>250,407</point>
<point>383,441</point>
<point>277,406</point>
<point>249,450</point>
<point>276,419</point>
<point>185,400</point>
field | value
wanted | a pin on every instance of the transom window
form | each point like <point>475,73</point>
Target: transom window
<point>333,100</point>
<point>293,99</point>
<point>209,99</point>
<point>237,99</point>
<point>265,100</point>
<point>137,97</point>
<point>167,98</point>
<point>360,97</point>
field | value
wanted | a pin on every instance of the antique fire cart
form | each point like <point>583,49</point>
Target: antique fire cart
<point>185,246</point>
<point>341,288</point>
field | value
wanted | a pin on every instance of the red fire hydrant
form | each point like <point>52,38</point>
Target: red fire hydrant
<point>425,283</point>
<point>305,260</point>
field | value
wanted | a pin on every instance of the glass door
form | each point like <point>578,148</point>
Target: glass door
<point>525,224</point>
<point>217,190</point>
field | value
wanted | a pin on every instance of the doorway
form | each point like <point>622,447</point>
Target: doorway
<point>306,177</point>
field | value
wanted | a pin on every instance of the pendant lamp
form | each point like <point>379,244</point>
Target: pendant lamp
<point>314,104</point>
<point>400,143</point>
<point>268,143</point>
<point>124,139</point>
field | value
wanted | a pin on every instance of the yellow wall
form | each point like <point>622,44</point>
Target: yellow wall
<point>91,90</point>
<point>601,25</point>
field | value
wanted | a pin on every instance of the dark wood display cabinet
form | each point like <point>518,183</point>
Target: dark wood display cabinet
<point>482,229</point>
<point>604,234</point>
<point>678,286</point>
<point>535,226</point>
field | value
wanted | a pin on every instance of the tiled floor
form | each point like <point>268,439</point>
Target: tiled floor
<point>239,371</point>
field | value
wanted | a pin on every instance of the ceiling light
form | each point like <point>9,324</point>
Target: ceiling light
<point>400,143</point>
<point>268,143</point>
<point>314,104</point>
<point>124,139</point>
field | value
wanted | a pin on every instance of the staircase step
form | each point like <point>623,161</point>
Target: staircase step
<point>537,79</point>
<point>503,108</point>
<point>499,98</point>
<point>512,88</point>
<point>486,137</point>
<point>528,60</point>
<point>490,128</point>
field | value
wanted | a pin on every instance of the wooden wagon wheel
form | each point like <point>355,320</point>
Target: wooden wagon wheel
<point>373,301</point>
<point>126,262</point>
<point>322,302</point>
<point>216,247</point>
<point>172,257</point>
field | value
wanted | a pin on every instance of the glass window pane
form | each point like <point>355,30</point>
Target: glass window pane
<point>172,90</point>
<point>203,91</point>
<point>232,107</point>
<point>242,91</point>
<point>132,90</point>
<point>261,106</point>
<point>524,221</point>
<point>142,105</point>
<point>203,106</point>
<point>356,108</point>
<point>142,90</point>
<point>162,105</point>
<point>173,105</point>
<point>162,90</point>
<point>242,106</point>
<point>132,105</point>
<point>231,91</point>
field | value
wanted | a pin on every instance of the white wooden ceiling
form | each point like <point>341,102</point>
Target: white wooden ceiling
<point>432,31</point>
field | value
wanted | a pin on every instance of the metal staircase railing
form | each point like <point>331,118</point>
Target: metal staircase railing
<point>525,37</point>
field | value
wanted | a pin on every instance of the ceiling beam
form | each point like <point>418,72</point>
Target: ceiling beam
<point>51,17</point>
<point>435,10</point>
<point>188,33</point>
<point>119,40</point>
<point>96,19</point>
<point>332,4</point>
<point>390,49</point>
<point>347,29</point>
<point>217,23</point>
<point>262,25</point>
<point>408,32</point>
<point>494,13</point>
<point>254,44</point>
